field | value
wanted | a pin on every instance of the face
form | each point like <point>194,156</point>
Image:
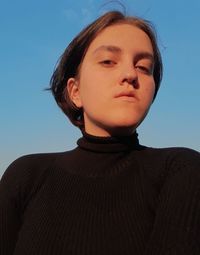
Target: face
<point>115,86</point>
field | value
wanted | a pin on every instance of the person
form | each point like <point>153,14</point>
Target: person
<point>109,195</point>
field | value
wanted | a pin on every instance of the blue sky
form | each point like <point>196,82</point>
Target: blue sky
<point>33,36</point>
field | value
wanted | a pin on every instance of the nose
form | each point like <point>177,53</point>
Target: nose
<point>129,75</point>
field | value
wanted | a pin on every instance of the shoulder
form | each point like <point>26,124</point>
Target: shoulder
<point>181,168</point>
<point>163,164</point>
<point>173,155</point>
<point>180,157</point>
<point>29,164</point>
<point>27,174</point>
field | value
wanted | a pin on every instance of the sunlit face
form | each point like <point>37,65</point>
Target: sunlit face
<point>115,86</point>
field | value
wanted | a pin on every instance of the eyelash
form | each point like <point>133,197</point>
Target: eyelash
<point>110,63</point>
<point>144,69</point>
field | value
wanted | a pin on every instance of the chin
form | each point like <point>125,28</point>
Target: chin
<point>127,122</point>
<point>128,118</point>
<point>125,126</point>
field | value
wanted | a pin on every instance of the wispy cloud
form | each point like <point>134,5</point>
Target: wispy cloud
<point>82,14</point>
<point>70,14</point>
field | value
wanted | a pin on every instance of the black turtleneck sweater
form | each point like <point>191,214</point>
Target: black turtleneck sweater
<point>107,196</point>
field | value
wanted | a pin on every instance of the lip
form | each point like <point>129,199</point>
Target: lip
<point>126,95</point>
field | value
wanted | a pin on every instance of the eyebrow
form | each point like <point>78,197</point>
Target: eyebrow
<point>110,48</point>
<point>145,55</point>
<point>115,49</point>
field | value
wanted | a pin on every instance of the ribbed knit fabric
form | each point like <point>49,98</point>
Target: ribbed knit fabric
<point>107,196</point>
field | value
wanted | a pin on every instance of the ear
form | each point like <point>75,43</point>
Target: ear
<point>74,92</point>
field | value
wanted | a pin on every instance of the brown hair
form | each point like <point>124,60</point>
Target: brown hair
<point>73,55</point>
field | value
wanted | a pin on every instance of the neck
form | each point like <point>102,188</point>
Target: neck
<point>109,143</point>
<point>116,132</point>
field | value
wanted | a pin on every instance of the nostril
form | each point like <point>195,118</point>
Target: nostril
<point>130,80</point>
<point>135,83</point>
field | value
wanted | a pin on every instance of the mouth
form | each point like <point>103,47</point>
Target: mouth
<point>126,95</point>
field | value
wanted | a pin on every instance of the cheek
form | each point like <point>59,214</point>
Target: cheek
<point>90,94</point>
<point>92,89</point>
<point>149,91</point>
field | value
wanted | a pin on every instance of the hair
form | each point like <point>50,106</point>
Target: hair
<point>70,61</point>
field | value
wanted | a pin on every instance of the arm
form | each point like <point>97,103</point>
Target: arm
<point>9,211</point>
<point>21,181</point>
<point>176,228</point>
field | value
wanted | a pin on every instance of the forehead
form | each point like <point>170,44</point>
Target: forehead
<point>124,36</point>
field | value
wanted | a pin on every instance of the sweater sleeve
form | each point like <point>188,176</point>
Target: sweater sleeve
<point>176,228</point>
<point>18,184</point>
<point>10,208</point>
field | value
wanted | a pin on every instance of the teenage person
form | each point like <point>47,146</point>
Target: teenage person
<point>109,195</point>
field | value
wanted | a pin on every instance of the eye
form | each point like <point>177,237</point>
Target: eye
<point>144,69</point>
<point>108,63</point>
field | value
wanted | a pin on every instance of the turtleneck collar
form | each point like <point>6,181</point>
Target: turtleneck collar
<point>108,144</point>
